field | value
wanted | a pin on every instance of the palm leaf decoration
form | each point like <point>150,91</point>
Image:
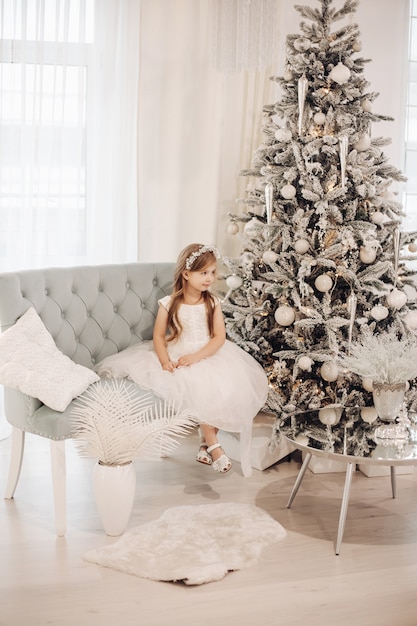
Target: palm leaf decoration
<point>114,425</point>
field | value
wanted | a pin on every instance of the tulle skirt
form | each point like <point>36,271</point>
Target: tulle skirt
<point>225,390</point>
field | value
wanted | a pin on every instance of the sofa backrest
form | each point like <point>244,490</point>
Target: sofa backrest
<point>90,311</point>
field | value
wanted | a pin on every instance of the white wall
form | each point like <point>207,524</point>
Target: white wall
<point>384,28</point>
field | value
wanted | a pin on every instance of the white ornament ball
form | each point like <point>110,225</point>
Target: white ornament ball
<point>329,415</point>
<point>323,283</point>
<point>396,298</point>
<point>412,247</point>
<point>377,217</point>
<point>302,45</point>
<point>283,134</point>
<point>366,105</point>
<point>340,74</point>
<point>302,439</point>
<point>284,315</point>
<point>329,371</point>
<point>253,228</point>
<point>305,363</point>
<point>363,143</point>
<point>411,320</point>
<point>288,191</point>
<point>269,257</point>
<point>368,384</point>
<point>232,228</point>
<point>234,281</point>
<point>288,75</point>
<point>369,414</point>
<point>357,46</point>
<point>379,312</point>
<point>367,255</point>
<point>319,119</point>
<point>301,246</point>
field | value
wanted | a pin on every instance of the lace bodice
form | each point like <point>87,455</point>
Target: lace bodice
<point>193,319</point>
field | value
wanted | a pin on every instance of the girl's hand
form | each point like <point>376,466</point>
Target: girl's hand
<point>187,360</point>
<point>169,366</point>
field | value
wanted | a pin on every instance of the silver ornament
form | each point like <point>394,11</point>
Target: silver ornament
<point>302,92</point>
<point>363,143</point>
<point>269,196</point>
<point>396,248</point>
<point>284,315</point>
<point>369,414</point>
<point>234,281</point>
<point>352,302</point>
<point>343,151</point>
<point>288,191</point>
<point>330,415</point>
<point>340,74</point>
<point>396,299</point>
<point>269,257</point>
<point>329,371</point>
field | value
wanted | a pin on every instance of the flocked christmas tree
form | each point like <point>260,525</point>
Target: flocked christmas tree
<point>323,255</point>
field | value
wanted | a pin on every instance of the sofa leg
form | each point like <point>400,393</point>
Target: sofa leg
<point>58,467</point>
<point>16,459</point>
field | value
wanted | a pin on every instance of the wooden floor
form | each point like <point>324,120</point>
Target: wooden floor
<point>299,581</point>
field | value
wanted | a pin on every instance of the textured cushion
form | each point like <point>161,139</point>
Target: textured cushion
<point>31,363</point>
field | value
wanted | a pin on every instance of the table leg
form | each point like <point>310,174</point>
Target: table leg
<point>344,507</point>
<point>393,481</point>
<point>299,478</point>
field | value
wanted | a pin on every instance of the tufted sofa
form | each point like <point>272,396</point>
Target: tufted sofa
<point>91,312</point>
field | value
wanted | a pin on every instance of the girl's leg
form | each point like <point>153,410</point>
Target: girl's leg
<point>221,463</point>
<point>202,455</point>
<point>209,435</point>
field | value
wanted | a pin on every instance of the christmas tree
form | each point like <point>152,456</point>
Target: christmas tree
<point>323,261</point>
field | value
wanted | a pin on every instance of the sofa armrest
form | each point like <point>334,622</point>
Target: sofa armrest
<point>19,407</point>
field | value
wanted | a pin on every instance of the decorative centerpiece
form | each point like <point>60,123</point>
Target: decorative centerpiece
<point>389,362</point>
<point>116,424</point>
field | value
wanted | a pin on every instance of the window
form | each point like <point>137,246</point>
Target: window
<point>45,50</point>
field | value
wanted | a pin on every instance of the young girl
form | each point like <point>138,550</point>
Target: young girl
<point>193,364</point>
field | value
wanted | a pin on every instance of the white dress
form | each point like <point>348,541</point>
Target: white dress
<point>225,390</point>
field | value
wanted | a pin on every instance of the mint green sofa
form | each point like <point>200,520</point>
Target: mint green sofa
<point>91,312</point>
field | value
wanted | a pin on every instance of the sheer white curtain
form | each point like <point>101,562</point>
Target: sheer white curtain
<point>68,79</point>
<point>198,128</point>
<point>68,139</point>
<point>112,143</point>
<point>43,80</point>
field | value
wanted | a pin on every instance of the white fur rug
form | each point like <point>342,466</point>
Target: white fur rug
<point>194,544</point>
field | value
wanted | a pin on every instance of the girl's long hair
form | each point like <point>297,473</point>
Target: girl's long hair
<point>177,297</point>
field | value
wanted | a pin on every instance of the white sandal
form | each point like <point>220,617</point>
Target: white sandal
<point>223,463</point>
<point>203,456</point>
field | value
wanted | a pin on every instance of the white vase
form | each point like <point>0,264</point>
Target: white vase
<point>114,491</point>
<point>388,400</point>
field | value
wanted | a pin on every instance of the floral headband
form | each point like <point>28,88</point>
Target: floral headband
<point>189,262</point>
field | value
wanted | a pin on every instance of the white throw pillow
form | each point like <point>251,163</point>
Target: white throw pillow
<point>31,363</point>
